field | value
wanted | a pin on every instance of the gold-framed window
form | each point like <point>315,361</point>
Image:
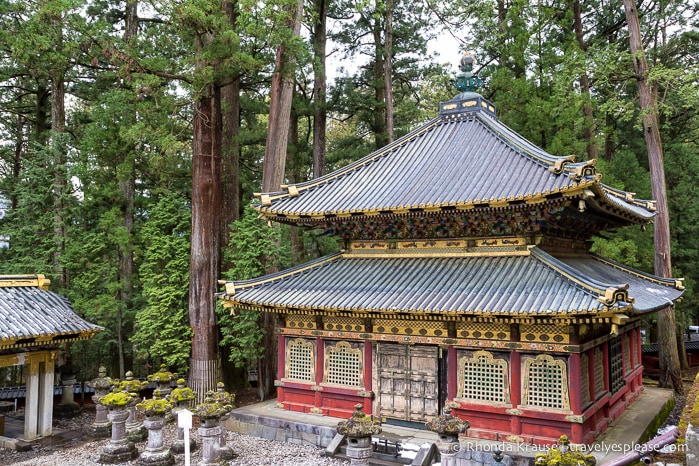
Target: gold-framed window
<point>545,383</point>
<point>483,378</point>
<point>344,364</point>
<point>300,360</point>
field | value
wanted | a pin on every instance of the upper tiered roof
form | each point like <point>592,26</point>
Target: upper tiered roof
<point>463,159</point>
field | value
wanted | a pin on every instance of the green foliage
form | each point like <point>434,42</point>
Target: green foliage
<point>253,248</point>
<point>162,331</point>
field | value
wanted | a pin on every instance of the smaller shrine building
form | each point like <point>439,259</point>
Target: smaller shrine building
<point>34,322</point>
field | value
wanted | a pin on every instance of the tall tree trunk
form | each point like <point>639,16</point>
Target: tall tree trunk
<point>205,247</point>
<point>273,168</point>
<point>319,86</point>
<point>282,92</point>
<point>589,119</point>
<point>379,84</point>
<point>670,375</point>
<point>388,69</point>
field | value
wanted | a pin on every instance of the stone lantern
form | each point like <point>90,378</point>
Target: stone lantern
<point>162,379</point>
<point>209,413</point>
<point>227,400</point>
<point>67,407</point>
<point>448,428</point>
<point>155,410</point>
<point>358,429</point>
<point>102,384</point>
<point>119,449</point>
<point>181,399</point>
<point>135,431</point>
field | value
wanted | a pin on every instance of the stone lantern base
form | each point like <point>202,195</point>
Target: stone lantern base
<point>101,430</point>
<point>156,458</point>
<point>118,453</point>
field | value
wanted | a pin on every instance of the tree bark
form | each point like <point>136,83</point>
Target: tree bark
<point>388,69</point>
<point>273,168</point>
<point>319,86</point>
<point>670,374</point>
<point>589,119</point>
<point>205,247</point>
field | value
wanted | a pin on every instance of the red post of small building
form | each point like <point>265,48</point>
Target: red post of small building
<point>451,373</point>
<point>515,390</point>
<point>320,367</point>
<point>281,365</point>
<point>575,395</point>
<point>368,408</point>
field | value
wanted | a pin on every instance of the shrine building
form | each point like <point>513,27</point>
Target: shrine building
<point>465,279</point>
<point>34,322</point>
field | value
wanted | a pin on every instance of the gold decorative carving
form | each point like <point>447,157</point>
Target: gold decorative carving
<point>483,330</point>
<point>545,383</point>
<point>514,412</point>
<point>346,324</point>
<point>545,333</point>
<point>301,321</point>
<point>406,327</point>
<point>576,418</point>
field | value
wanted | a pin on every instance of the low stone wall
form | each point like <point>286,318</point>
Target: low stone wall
<point>282,430</point>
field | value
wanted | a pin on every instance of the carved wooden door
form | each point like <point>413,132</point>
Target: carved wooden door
<point>407,381</point>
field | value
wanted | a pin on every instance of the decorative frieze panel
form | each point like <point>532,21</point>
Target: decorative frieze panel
<point>409,327</point>
<point>344,365</point>
<point>545,333</point>
<point>483,330</point>
<point>343,324</point>
<point>300,360</point>
<point>545,383</point>
<point>483,378</point>
<point>301,321</point>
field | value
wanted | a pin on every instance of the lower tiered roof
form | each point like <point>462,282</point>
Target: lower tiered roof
<point>503,277</point>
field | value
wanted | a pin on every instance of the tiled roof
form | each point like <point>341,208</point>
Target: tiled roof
<point>31,315</point>
<point>529,284</point>
<point>463,158</point>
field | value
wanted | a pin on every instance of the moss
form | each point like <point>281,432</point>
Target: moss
<point>116,399</point>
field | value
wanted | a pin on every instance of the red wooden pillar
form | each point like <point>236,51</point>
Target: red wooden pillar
<point>452,373</point>
<point>320,366</point>
<point>281,365</point>
<point>575,375</point>
<point>515,390</point>
<point>368,369</point>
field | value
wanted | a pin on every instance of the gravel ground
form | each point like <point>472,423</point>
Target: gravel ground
<point>83,451</point>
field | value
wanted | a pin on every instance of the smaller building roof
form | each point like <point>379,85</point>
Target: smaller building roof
<point>514,282</point>
<point>31,315</point>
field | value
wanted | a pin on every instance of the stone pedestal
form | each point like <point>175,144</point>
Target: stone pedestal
<point>102,384</point>
<point>359,450</point>
<point>67,408</point>
<point>210,434</point>
<point>181,397</point>
<point>209,413</point>
<point>227,401</point>
<point>155,454</point>
<point>119,449</point>
<point>135,429</point>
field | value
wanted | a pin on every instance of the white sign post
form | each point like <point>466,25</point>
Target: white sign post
<point>184,421</point>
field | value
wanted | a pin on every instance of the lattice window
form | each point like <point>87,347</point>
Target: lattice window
<point>599,371</point>
<point>483,378</point>
<point>545,383</point>
<point>616,365</point>
<point>344,365</point>
<point>585,378</point>
<point>626,349</point>
<point>300,356</point>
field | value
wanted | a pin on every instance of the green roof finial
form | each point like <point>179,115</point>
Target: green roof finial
<point>466,81</point>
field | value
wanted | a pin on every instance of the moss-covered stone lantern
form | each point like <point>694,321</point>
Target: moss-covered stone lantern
<point>359,429</point>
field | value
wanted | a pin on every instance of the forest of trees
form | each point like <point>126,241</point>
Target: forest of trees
<point>133,136</point>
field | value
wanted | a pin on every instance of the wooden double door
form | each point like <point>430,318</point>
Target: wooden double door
<point>410,381</point>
